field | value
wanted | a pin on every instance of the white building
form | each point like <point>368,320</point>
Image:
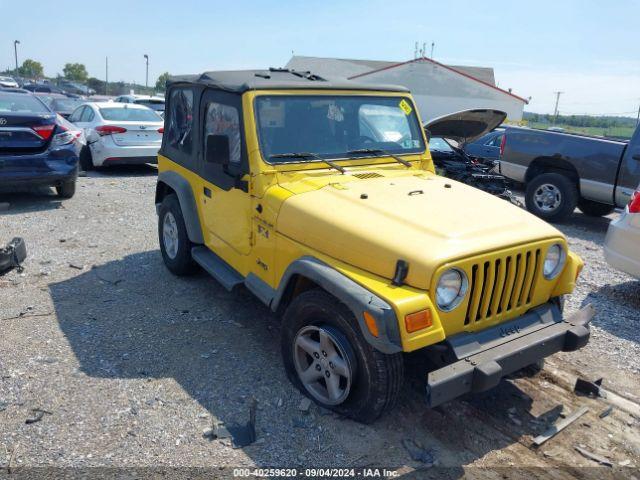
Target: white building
<point>438,89</point>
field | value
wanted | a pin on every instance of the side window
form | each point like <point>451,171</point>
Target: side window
<point>224,120</point>
<point>77,114</point>
<point>179,130</point>
<point>495,141</point>
<point>87,115</point>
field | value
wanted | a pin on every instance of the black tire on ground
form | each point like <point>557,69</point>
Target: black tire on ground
<point>567,191</point>
<point>66,189</point>
<point>532,370</point>
<point>86,161</point>
<point>378,377</point>
<point>182,263</point>
<point>594,209</point>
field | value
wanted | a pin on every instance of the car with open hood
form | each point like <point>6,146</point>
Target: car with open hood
<point>451,139</point>
<point>320,197</point>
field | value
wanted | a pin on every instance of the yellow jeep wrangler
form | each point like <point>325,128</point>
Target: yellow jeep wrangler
<point>320,197</point>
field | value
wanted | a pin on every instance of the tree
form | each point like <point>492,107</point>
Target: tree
<point>75,71</point>
<point>31,69</point>
<point>161,83</point>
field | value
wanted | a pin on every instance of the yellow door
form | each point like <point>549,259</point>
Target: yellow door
<point>223,196</point>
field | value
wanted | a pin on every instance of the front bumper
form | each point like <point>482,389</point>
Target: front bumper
<point>621,243</point>
<point>481,359</point>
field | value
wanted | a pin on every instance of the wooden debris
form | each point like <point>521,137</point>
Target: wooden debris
<point>592,456</point>
<point>559,426</point>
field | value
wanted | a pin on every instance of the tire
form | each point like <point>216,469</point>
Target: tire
<point>558,208</point>
<point>375,378</point>
<point>531,370</point>
<point>86,160</point>
<point>67,189</point>
<point>594,209</point>
<point>176,257</point>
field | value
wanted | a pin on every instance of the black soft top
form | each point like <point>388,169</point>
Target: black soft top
<point>240,81</point>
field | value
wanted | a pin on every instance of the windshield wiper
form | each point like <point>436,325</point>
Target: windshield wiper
<point>378,152</point>
<point>315,156</point>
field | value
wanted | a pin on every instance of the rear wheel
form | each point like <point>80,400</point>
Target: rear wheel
<point>552,197</point>
<point>594,209</point>
<point>327,358</point>
<point>86,161</point>
<point>175,245</point>
<point>66,189</point>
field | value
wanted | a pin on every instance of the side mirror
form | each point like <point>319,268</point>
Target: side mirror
<point>428,134</point>
<point>217,149</point>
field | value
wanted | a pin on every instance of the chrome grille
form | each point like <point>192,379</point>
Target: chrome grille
<point>500,286</point>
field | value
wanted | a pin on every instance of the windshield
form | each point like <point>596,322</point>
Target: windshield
<point>21,103</point>
<point>130,115</point>
<point>332,126</point>
<point>65,104</point>
<point>439,145</point>
<point>157,105</point>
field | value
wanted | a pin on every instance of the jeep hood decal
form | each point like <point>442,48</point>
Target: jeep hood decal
<point>424,219</point>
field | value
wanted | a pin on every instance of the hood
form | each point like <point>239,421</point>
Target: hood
<point>465,126</point>
<point>424,219</point>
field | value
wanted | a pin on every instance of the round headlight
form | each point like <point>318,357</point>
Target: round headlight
<point>554,261</point>
<point>451,289</point>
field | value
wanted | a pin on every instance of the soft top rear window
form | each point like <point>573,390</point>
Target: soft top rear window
<point>21,103</point>
<point>130,115</point>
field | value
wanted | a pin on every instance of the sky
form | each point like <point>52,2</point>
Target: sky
<point>588,49</point>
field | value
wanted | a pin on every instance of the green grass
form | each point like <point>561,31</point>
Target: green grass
<point>617,132</point>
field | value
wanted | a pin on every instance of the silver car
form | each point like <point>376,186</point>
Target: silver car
<point>622,245</point>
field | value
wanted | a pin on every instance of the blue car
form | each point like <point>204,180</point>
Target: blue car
<point>37,146</point>
<point>486,147</point>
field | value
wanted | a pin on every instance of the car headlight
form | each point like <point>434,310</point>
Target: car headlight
<point>451,289</point>
<point>554,261</point>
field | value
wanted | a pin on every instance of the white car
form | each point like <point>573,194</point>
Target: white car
<point>8,82</point>
<point>622,245</point>
<point>118,134</point>
<point>153,102</point>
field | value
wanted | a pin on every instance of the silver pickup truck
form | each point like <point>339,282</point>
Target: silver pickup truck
<point>565,170</point>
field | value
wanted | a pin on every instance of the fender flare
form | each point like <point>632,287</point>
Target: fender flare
<point>183,190</point>
<point>357,298</point>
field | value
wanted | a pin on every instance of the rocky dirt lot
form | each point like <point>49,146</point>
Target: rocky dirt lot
<point>106,359</point>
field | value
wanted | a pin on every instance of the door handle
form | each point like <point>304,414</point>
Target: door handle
<point>636,157</point>
<point>207,192</point>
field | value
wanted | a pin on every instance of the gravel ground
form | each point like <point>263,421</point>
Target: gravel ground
<point>131,364</point>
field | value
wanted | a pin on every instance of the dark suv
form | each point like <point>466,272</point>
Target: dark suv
<point>37,146</point>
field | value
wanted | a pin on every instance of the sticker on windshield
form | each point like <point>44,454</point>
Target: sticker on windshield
<point>405,107</point>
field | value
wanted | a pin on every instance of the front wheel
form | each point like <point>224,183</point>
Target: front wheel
<point>174,241</point>
<point>327,358</point>
<point>552,197</point>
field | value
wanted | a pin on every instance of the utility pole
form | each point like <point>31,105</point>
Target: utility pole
<point>555,113</point>
<point>106,75</point>
<point>638,117</point>
<point>15,51</point>
<point>433,44</point>
<point>146,80</point>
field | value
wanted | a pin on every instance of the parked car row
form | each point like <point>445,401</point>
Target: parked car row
<point>37,146</point>
<point>45,138</point>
